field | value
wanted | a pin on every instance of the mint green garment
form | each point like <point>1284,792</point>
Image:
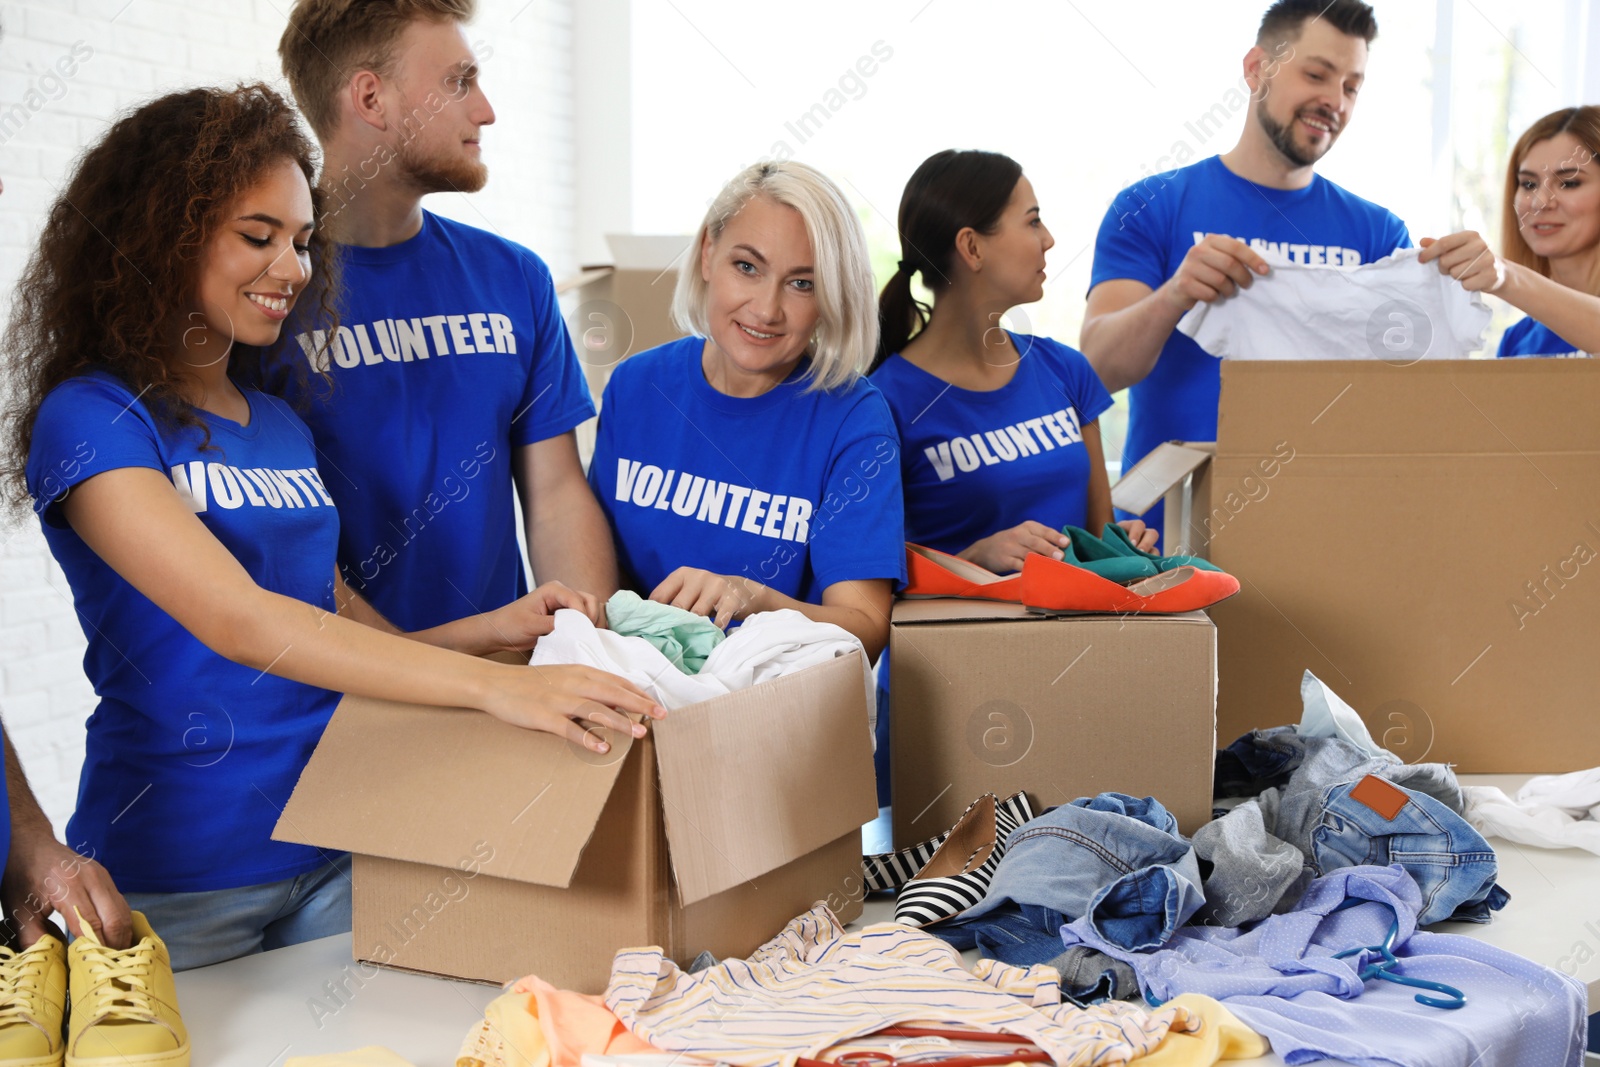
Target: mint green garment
<point>682,636</point>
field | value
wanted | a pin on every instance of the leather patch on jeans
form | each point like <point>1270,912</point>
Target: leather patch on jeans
<point>1383,797</point>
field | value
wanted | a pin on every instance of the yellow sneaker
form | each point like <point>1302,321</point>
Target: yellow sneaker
<point>124,1003</point>
<point>33,998</point>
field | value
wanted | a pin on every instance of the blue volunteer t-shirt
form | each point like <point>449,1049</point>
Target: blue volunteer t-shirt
<point>976,463</point>
<point>794,489</point>
<point>1529,337</point>
<point>190,756</point>
<point>451,356</point>
<point>1151,226</point>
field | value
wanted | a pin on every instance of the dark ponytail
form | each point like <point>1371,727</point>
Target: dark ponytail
<point>951,191</point>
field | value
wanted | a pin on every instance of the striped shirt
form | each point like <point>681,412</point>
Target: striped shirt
<point>815,986</point>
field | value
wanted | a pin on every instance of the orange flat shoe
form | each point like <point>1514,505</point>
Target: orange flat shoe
<point>1051,587</point>
<point>932,573</point>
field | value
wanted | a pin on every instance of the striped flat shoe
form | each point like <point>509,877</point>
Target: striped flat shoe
<point>886,872</point>
<point>958,875</point>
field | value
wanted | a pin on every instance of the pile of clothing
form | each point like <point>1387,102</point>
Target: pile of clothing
<point>816,991</point>
<point>1297,907</point>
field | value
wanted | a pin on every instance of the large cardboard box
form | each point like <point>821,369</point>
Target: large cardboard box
<point>1421,538</point>
<point>487,852</point>
<point>986,697</point>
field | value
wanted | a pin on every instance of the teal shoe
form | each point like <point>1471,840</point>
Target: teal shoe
<point>1116,561</point>
<point>1113,556</point>
<point>1116,538</point>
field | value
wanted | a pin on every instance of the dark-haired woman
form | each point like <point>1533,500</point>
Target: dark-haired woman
<point>1000,443</point>
<point>188,515</point>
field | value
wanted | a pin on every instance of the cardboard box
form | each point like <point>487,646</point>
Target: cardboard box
<point>1421,538</point>
<point>985,697</point>
<point>623,307</point>
<point>487,852</point>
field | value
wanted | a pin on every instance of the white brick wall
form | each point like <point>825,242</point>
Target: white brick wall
<point>141,48</point>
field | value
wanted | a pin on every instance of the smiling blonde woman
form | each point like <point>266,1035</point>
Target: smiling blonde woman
<point>750,466</point>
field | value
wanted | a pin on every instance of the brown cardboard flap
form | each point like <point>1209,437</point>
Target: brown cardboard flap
<point>1166,466</point>
<point>434,785</point>
<point>740,782</point>
<point>584,277</point>
<point>1435,407</point>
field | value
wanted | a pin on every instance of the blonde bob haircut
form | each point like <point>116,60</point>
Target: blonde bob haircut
<point>847,322</point>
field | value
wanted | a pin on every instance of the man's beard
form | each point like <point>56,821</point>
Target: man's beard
<point>436,175</point>
<point>1282,138</point>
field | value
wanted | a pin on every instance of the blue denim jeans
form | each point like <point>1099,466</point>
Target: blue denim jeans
<point>1117,859</point>
<point>1027,934</point>
<point>1023,934</point>
<point>1453,866</point>
<point>1259,760</point>
<point>221,924</point>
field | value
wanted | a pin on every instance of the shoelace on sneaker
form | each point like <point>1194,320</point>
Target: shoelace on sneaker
<point>21,981</point>
<point>120,976</point>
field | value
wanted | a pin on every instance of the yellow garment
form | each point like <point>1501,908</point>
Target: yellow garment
<point>371,1056</point>
<point>534,1024</point>
<point>1221,1036</point>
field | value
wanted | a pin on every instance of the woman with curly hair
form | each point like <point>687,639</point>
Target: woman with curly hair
<point>191,522</point>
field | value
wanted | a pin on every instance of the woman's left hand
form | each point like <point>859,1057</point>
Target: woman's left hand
<point>1465,256</point>
<point>722,598</point>
<point>1144,538</point>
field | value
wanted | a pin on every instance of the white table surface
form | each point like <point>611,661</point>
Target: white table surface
<point>312,998</point>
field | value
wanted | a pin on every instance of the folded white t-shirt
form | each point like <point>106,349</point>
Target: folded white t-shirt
<point>1396,309</point>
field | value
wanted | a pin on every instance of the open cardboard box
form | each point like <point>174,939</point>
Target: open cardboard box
<point>1421,537</point>
<point>487,852</point>
<point>987,697</point>
<point>623,307</point>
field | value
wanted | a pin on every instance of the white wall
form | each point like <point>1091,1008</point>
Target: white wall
<point>138,48</point>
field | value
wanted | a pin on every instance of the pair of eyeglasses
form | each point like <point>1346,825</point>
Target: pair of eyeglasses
<point>1020,1050</point>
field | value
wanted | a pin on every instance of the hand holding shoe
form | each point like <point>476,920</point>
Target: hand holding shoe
<point>42,875</point>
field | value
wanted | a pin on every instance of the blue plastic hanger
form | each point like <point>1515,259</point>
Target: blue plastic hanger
<point>1384,967</point>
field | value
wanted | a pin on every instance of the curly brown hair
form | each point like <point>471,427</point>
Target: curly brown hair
<point>117,265</point>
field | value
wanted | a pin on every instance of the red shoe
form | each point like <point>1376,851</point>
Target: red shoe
<point>1051,586</point>
<point>932,573</point>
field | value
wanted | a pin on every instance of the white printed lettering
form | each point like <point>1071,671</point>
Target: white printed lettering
<point>627,470</point>
<point>736,498</point>
<point>754,513</point>
<point>461,343</point>
<point>504,339</point>
<point>797,520</point>
<point>224,486</point>
<point>480,332</point>
<point>648,485</point>
<point>666,487</point>
<point>774,514</point>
